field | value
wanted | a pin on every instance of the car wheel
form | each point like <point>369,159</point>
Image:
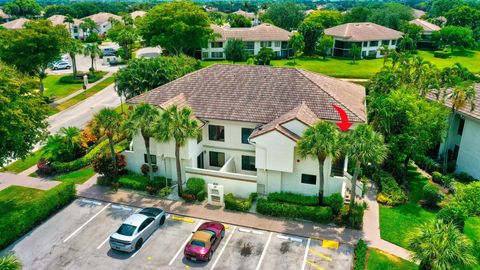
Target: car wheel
<point>209,256</point>
<point>223,234</point>
<point>139,244</point>
<point>162,220</point>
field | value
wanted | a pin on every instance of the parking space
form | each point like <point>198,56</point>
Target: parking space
<point>77,238</point>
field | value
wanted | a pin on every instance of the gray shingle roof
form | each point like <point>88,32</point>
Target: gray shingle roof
<point>365,31</point>
<point>258,94</point>
<point>467,110</point>
<point>262,32</point>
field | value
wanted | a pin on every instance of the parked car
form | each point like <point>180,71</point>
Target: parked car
<point>61,65</point>
<point>109,51</point>
<point>136,229</point>
<point>204,241</point>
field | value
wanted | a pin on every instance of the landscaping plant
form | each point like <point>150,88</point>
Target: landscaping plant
<point>10,262</point>
<point>360,255</point>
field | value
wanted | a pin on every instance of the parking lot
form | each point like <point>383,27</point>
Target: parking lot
<point>77,238</point>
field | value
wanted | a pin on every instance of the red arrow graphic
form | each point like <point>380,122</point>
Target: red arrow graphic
<point>344,124</point>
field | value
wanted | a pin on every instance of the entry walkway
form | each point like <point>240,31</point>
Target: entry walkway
<point>8,179</point>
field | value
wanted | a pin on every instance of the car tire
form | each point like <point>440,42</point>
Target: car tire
<point>139,244</point>
<point>209,256</point>
<point>162,220</point>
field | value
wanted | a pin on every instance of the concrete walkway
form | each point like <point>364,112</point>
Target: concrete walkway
<point>8,179</point>
<point>371,226</point>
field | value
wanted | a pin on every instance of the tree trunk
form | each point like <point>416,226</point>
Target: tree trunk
<point>112,152</point>
<point>149,158</point>
<point>179,169</point>
<point>74,65</point>
<point>41,88</point>
<point>353,190</point>
<point>93,60</point>
<point>322,180</point>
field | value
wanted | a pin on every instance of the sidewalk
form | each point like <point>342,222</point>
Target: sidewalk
<point>9,179</point>
<point>90,85</point>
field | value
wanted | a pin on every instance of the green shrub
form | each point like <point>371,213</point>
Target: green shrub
<point>239,204</point>
<point>17,222</point>
<point>69,79</point>
<point>63,167</point>
<point>335,201</point>
<point>164,192</point>
<point>437,177</point>
<point>441,54</point>
<point>355,220</point>
<point>197,188</point>
<point>427,164</point>
<point>286,210</point>
<point>10,262</point>
<point>390,192</point>
<point>294,198</point>
<point>454,214</point>
<point>431,195</point>
<point>139,182</point>
<point>360,255</point>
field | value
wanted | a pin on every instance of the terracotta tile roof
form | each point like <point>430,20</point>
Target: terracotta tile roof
<point>262,32</point>
<point>102,17</point>
<point>427,26</point>
<point>467,109</point>
<point>60,19</point>
<point>138,13</point>
<point>245,14</point>
<point>417,13</point>
<point>363,32</point>
<point>259,94</point>
<point>4,15</point>
<point>15,24</point>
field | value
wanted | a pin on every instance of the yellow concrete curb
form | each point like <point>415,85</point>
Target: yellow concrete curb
<point>314,265</point>
<point>182,219</point>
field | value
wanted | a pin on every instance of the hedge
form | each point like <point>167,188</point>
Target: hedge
<point>390,192</point>
<point>17,222</point>
<point>197,188</point>
<point>441,54</point>
<point>239,204</point>
<point>63,167</point>
<point>288,197</point>
<point>314,213</point>
<point>360,255</point>
<point>139,182</point>
<point>69,79</point>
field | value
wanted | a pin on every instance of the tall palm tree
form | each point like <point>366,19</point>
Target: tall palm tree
<point>69,19</point>
<point>107,122</point>
<point>143,118</point>
<point>93,51</point>
<point>363,146</point>
<point>319,142</point>
<point>74,47</point>
<point>441,246</point>
<point>178,125</point>
<point>72,138</point>
<point>53,146</point>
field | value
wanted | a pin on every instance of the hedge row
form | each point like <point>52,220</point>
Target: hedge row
<point>140,182</point>
<point>17,222</point>
<point>360,255</point>
<point>239,204</point>
<point>288,197</point>
<point>390,192</point>
<point>441,54</point>
<point>314,213</point>
<point>197,188</point>
<point>63,167</point>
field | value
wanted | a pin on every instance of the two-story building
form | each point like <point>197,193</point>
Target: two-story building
<point>370,37</point>
<point>255,38</point>
<point>72,27</point>
<point>103,20</point>
<point>251,118</point>
<point>427,30</point>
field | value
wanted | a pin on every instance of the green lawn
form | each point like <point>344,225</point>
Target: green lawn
<point>379,260</point>
<point>54,88</point>
<point>468,59</point>
<point>22,165</point>
<point>472,230</point>
<point>77,177</point>
<point>397,222</point>
<point>16,197</point>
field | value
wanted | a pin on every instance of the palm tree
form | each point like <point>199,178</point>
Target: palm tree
<point>319,142</point>
<point>53,146</point>
<point>10,262</point>
<point>363,146</point>
<point>385,51</point>
<point>107,122</point>
<point>72,139</point>
<point>93,51</point>
<point>74,47</point>
<point>69,19</point>
<point>178,125</point>
<point>441,246</point>
<point>143,118</point>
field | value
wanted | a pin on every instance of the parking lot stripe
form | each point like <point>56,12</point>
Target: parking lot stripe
<point>103,243</point>
<point>264,251</point>
<point>320,254</point>
<point>85,224</point>
<point>314,265</point>
<point>306,254</point>
<point>223,248</point>
<point>182,219</point>
<point>184,243</point>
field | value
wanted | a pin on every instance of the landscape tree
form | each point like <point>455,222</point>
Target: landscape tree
<point>264,56</point>
<point>178,27</point>
<point>22,8</point>
<point>74,47</point>
<point>236,20</point>
<point>88,26</point>
<point>314,24</point>
<point>386,52</point>
<point>413,31</point>
<point>93,51</point>
<point>391,15</point>
<point>455,37</point>
<point>441,7</point>
<point>107,122</point>
<point>69,21</point>
<point>440,245</point>
<point>144,74</point>
<point>125,35</point>
<point>217,18</point>
<point>23,115</point>
<point>319,142</point>
<point>51,10</point>
<point>142,120</point>
<point>324,46</point>
<point>287,15</point>
<point>177,125</point>
<point>358,14</point>
<point>235,50</point>
<point>463,16</point>
<point>355,52</point>
<point>297,44</point>
<point>32,49</point>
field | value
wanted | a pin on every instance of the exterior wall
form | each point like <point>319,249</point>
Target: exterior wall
<point>103,28</point>
<point>207,52</point>
<point>296,127</point>
<point>468,160</point>
<point>367,46</point>
<point>274,152</point>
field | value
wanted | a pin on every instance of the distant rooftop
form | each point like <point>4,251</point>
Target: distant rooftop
<point>427,26</point>
<point>262,32</point>
<point>364,31</point>
<point>16,24</point>
<point>60,19</point>
<point>102,17</point>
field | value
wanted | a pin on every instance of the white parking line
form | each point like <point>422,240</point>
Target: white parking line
<point>85,224</point>
<point>250,231</point>
<point>103,243</point>
<point>184,243</point>
<point>290,238</point>
<point>264,251</point>
<point>306,254</point>
<point>223,248</point>
<point>90,202</point>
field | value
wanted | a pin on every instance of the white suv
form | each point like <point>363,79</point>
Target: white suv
<point>61,65</point>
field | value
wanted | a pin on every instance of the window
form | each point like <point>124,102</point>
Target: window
<point>386,42</point>
<point>394,42</point>
<point>372,53</point>
<point>199,137</point>
<point>374,43</point>
<point>216,133</point>
<point>126,230</point>
<point>277,44</point>
<point>217,44</point>
<point>265,44</point>
<point>197,243</point>
<point>246,132</point>
<point>152,157</point>
<point>248,163</point>
<point>461,124</point>
<point>217,159</point>
<point>145,224</point>
<point>204,55</point>
<point>217,54</point>
<point>309,179</point>
<point>200,162</point>
<point>365,44</point>
<point>250,47</point>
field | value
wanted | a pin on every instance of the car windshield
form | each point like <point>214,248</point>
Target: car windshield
<point>197,243</point>
<point>126,230</point>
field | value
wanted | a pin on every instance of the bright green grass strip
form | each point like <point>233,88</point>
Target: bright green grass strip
<point>53,87</point>
<point>21,165</point>
<point>472,231</point>
<point>379,260</point>
<point>16,197</point>
<point>77,177</point>
<point>123,107</point>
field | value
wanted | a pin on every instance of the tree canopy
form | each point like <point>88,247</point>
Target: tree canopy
<point>287,15</point>
<point>391,15</point>
<point>125,35</point>
<point>235,50</point>
<point>22,8</point>
<point>314,24</point>
<point>455,37</point>
<point>236,20</point>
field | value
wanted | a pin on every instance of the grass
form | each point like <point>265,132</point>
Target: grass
<point>123,107</point>
<point>77,177</point>
<point>16,197</point>
<point>397,222</point>
<point>21,165</point>
<point>468,59</point>
<point>472,231</point>
<point>53,86</point>
<point>379,260</point>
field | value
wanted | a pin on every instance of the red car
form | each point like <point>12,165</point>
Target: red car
<point>204,241</point>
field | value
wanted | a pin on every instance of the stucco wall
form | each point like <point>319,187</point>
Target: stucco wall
<point>469,154</point>
<point>274,152</point>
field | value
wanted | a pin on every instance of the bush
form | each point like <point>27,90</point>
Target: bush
<point>197,188</point>
<point>441,54</point>
<point>10,262</point>
<point>314,213</point>
<point>239,204</point>
<point>104,165</point>
<point>437,177</point>
<point>17,222</point>
<point>335,201</point>
<point>293,198</point>
<point>139,182</point>
<point>164,192</point>
<point>391,193</point>
<point>144,169</point>
<point>63,167</point>
<point>454,214</point>
<point>69,79</point>
<point>431,195</point>
<point>44,167</point>
<point>360,255</point>
<point>427,164</point>
<point>464,177</point>
<point>353,221</point>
